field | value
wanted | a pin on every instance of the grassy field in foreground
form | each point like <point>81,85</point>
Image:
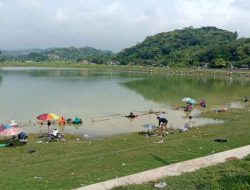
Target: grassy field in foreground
<point>71,164</point>
<point>232,175</point>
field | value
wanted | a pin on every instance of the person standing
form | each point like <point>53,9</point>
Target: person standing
<point>203,103</point>
<point>62,121</point>
<point>49,124</point>
<point>190,123</point>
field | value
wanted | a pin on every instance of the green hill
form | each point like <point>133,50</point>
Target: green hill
<point>68,54</point>
<point>20,52</point>
<point>73,53</point>
<point>189,47</point>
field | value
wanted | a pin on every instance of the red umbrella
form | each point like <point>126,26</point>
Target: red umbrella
<point>9,130</point>
<point>48,116</point>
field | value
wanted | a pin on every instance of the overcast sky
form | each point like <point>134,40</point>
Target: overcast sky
<point>111,24</point>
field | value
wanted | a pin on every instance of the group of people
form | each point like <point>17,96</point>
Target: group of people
<point>189,105</point>
<point>162,120</point>
<point>62,121</point>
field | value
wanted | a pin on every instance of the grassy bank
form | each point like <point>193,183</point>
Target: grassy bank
<point>232,175</point>
<point>71,164</point>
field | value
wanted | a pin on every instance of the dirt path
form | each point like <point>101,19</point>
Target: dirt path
<point>170,170</point>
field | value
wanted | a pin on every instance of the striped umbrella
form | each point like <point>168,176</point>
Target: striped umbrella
<point>48,116</point>
<point>9,130</point>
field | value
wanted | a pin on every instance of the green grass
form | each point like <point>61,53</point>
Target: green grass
<point>68,165</point>
<point>232,175</point>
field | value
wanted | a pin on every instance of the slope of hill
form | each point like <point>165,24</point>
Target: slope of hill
<point>20,52</point>
<point>189,47</point>
<point>73,53</point>
<point>69,54</point>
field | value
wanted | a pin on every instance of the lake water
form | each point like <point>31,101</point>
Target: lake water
<point>105,97</point>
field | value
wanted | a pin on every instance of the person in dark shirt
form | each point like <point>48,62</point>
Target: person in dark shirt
<point>203,103</point>
<point>131,115</point>
<point>22,135</point>
<point>49,123</point>
<point>162,123</point>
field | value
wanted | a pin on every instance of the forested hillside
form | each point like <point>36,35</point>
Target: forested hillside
<point>208,46</point>
<point>68,54</point>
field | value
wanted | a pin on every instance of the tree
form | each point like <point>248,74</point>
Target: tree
<point>220,63</point>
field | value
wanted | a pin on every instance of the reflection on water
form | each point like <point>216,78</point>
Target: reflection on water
<point>1,78</point>
<point>37,72</point>
<point>172,89</point>
<point>28,92</point>
<point>105,97</point>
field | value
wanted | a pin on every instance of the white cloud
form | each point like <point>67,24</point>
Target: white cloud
<point>111,24</point>
<point>60,15</point>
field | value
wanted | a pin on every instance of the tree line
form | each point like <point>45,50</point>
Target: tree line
<point>188,47</point>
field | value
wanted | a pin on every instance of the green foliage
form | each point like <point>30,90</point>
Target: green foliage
<point>190,47</point>
<point>220,63</point>
<point>2,59</point>
<point>37,57</point>
<point>62,54</point>
<point>74,54</point>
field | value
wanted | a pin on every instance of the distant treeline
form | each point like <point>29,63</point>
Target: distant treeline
<point>62,54</point>
<point>190,47</point>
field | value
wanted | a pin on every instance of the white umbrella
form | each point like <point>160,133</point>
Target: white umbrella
<point>189,100</point>
<point>186,99</point>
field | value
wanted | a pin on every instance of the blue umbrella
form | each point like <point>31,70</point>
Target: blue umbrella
<point>192,101</point>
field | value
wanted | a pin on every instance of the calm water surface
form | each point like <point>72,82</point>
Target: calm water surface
<point>105,96</point>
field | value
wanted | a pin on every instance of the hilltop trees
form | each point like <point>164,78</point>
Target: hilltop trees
<point>190,47</point>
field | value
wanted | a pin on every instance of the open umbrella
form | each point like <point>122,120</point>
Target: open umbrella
<point>48,117</point>
<point>186,99</point>
<point>192,101</point>
<point>189,100</point>
<point>9,130</point>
